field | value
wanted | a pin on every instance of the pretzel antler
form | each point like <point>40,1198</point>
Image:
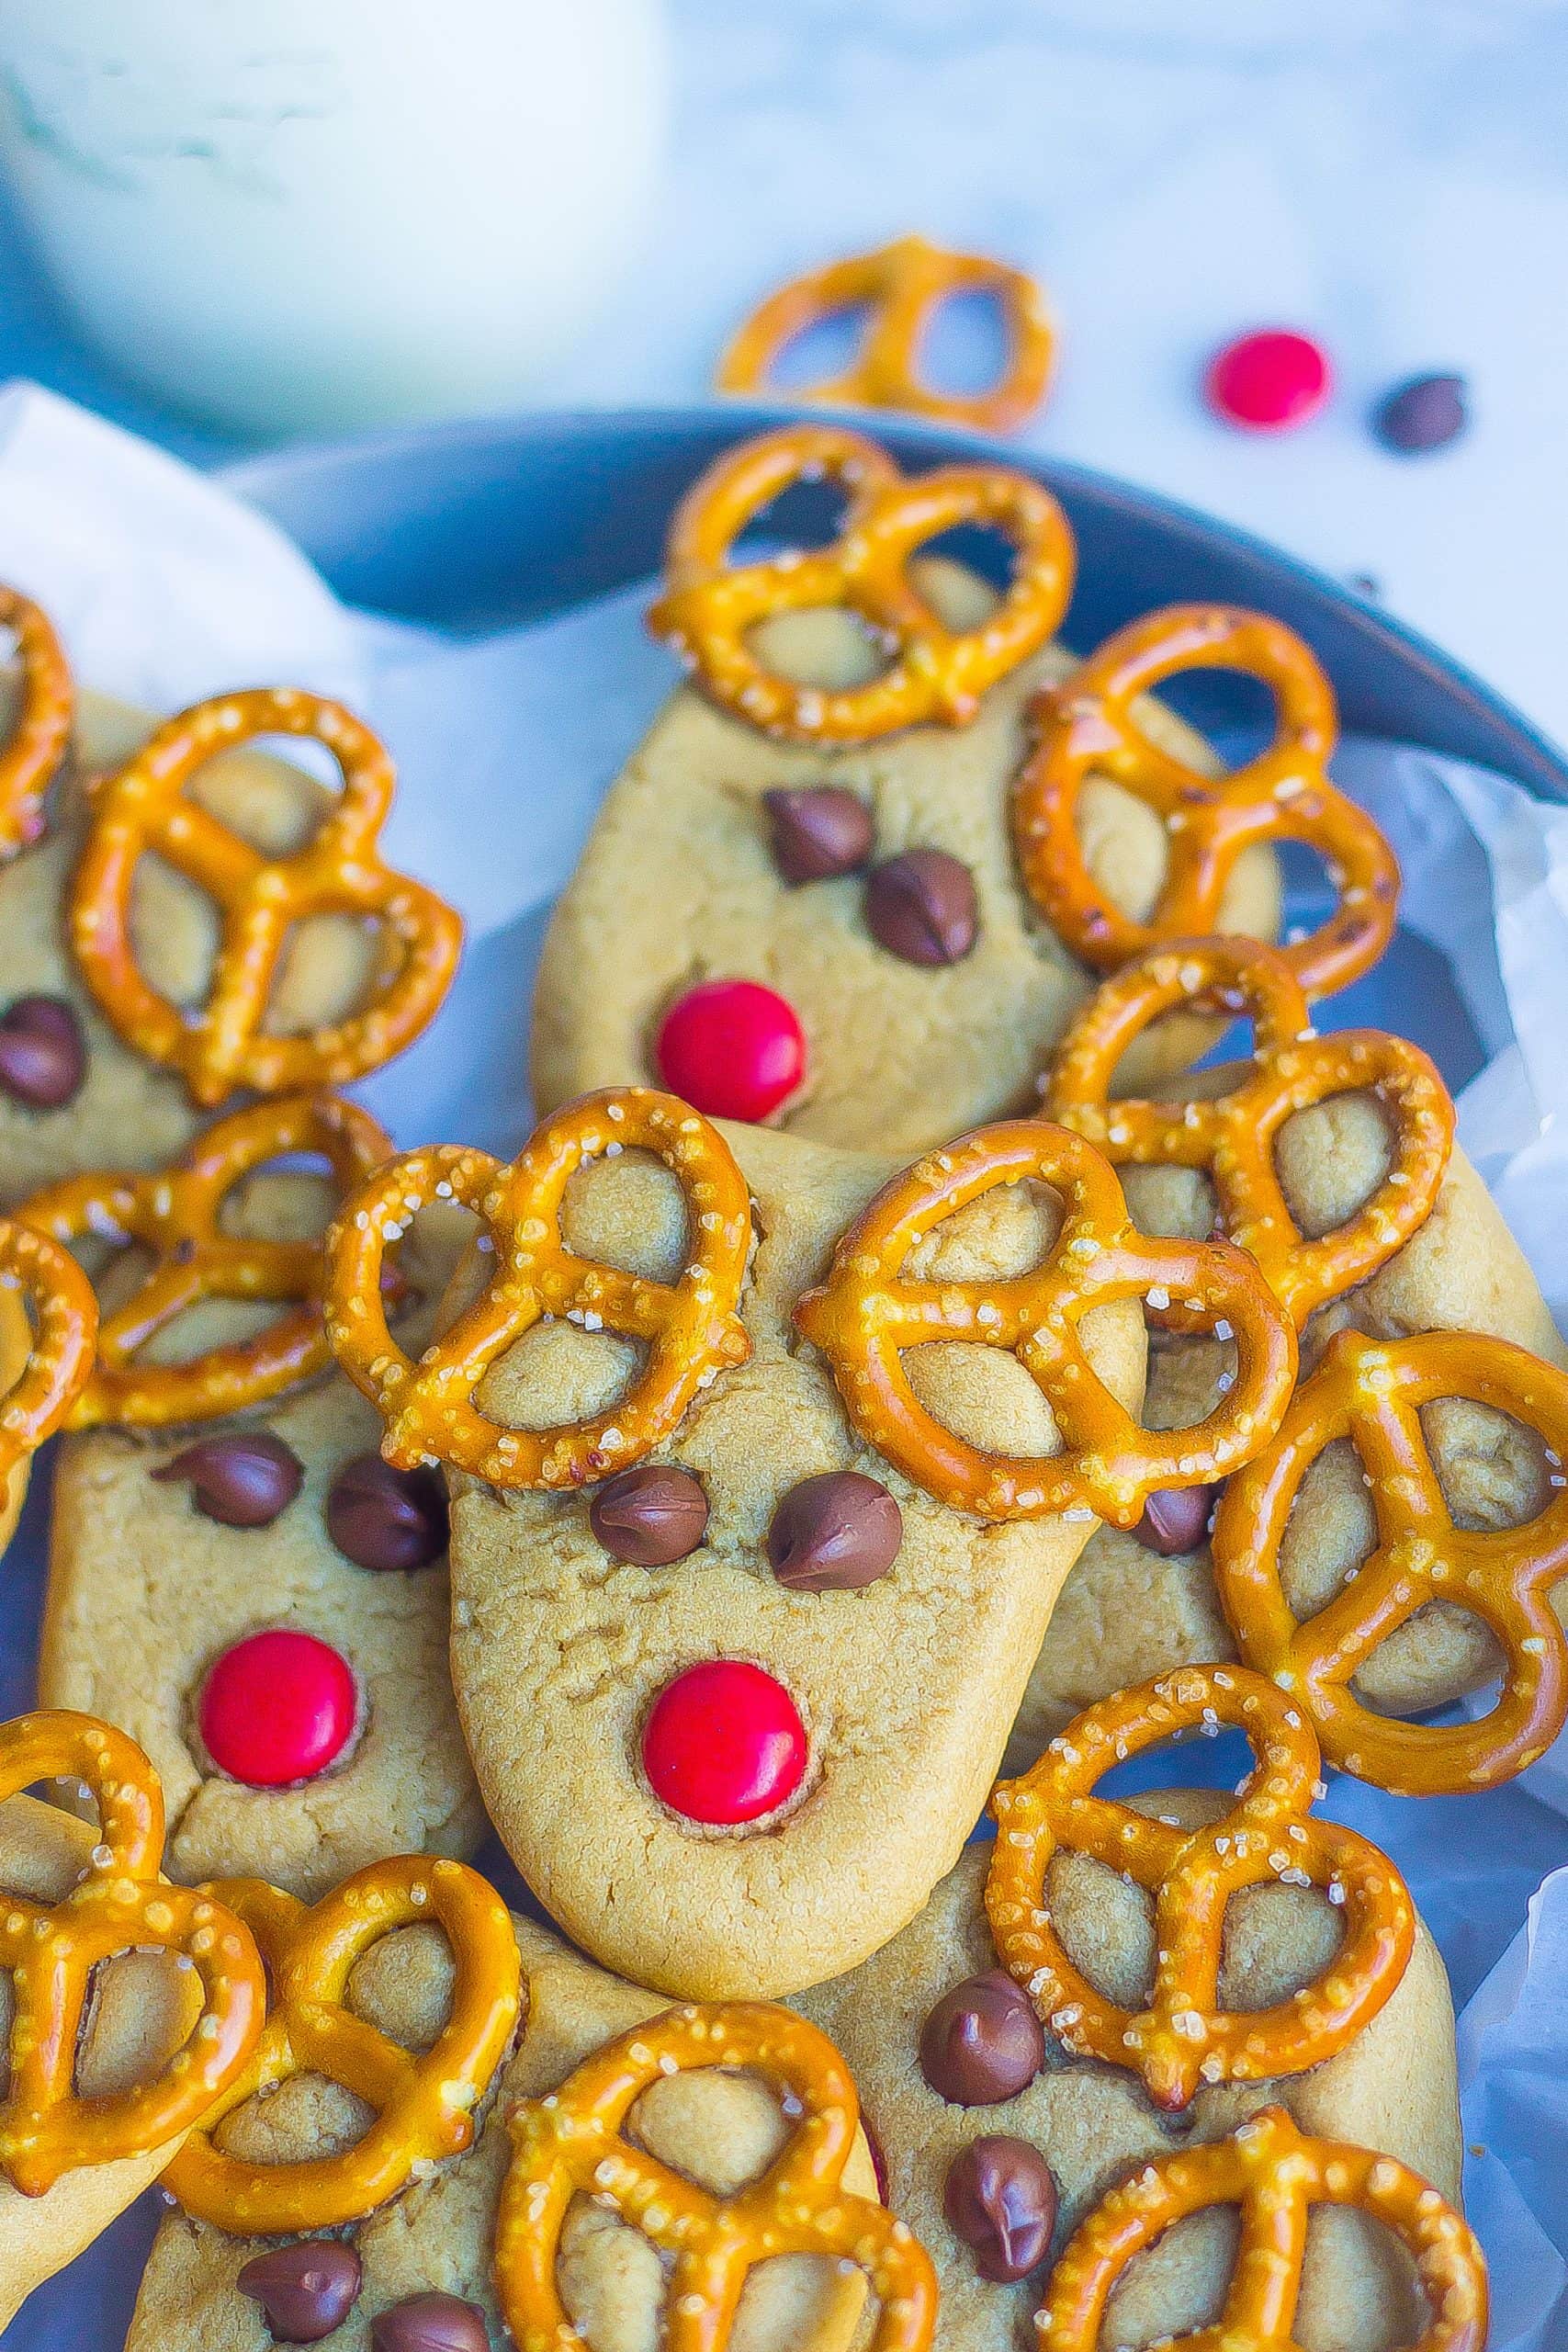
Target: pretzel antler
<point>41,733</point>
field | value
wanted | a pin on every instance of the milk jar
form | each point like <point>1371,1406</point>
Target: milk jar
<point>294,216</point>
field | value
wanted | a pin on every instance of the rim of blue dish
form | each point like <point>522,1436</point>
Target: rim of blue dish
<point>442,481</point>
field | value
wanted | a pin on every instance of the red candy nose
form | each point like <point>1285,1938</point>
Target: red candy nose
<point>277,1707</point>
<point>724,1743</point>
<point>1269,381</point>
<point>731,1048</point>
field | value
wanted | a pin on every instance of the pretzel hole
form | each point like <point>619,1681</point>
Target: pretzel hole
<point>833,648</point>
<point>1493,1473</point>
<point>965,349</point>
<point>825,348</point>
<point>1276,1936</point>
<point>403,1985</point>
<point>721,2129</point>
<point>1359,2286</point>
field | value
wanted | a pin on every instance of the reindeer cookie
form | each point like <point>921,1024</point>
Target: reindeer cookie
<point>124,1008</point>
<point>259,1598</point>
<point>100,1992</point>
<point>1395,1236</point>
<point>799,919</point>
<point>420,2267</point>
<point>761,1499</point>
<point>1000,2133</point>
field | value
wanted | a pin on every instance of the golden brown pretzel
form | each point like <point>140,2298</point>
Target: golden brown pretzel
<point>869,1311</point>
<point>574,2142</point>
<point>1371,1392</point>
<point>65,1325</point>
<point>1087,726</point>
<point>1231,1136</point>
<point>42,731</point>
<point>1182,2038</point>
<point>147,808</point>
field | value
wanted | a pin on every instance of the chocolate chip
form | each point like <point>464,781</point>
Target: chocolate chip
<point>43,1054</point>
<point>1000,2198</point>
<point>834,1533</point>
<point>383,1518</point>
<point>818,830</point>
<point>1176,1518</point>
<point>245,1479</point>
<point>920,906</point>
<point>430,2324</point>
<point>650,1516</point>
<point>982,2042</point>
<point>1424,413</point>
<point>305,2290</point>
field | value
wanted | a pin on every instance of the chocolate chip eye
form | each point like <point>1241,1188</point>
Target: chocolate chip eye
<point>818,831</point>
<point>1000,2199</point>
<point>381,1517</point>
<point>921,907</point>
<point>834,1533</point>
<point>43,1053</point>
<point>983,2042</point>
<point>432,2322</point>
<point>247,1479</point>
<point>650,1516</point>
<point>306,2290</point>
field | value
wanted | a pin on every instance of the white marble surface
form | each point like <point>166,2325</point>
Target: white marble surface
<point>1391,174</point>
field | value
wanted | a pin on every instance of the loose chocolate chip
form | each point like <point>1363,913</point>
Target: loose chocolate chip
<point>43,1054</point>
<point>383,1518</point>
<point>982,2042</point>
<point>818,830</point>
<point>834,1533</point>
<point>306,2290</point>
<point>920,906</point>
<point>430,2324</point>
<point>1424,413</point>
<point>1000,2198</point>
<point>650,1516</point>
<point>1176,1518</point>
<point>244,1480</point>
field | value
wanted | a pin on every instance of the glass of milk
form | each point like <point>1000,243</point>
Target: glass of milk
<point>299,216</point>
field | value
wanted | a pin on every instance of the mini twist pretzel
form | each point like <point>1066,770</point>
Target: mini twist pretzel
<point>66,1318</point>
<point>50,1951</point>
<point>424,2101</point>
<point>574,2142</point>
<point>1231,1136</point>
<point>710,607</point>
<point>146,807</point>
<point>175,1214</point>
<point>868,1311</point>
<point>1371,1392</point>
<point>902,286</point>
<point>1183,2038</point>
<point>1087,726</point>
<point>1275,2174</point>
<point>42,729</point>
<point>691,1328</point>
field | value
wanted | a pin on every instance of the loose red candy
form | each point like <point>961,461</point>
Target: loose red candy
<point>1269,380</point>
<point>732,1049</point>
<point>724,1744</point>
<point>278,1707</point>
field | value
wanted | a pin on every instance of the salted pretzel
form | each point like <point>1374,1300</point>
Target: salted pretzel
<point>710,606</point>
<point>65,1323</point>
<point>41,729</point>
<point>902,286</point>
<point>1276,2175</point>
<point>1088,726</point>
<point>175,1215</point>
<point>1371,1392</point>
<point>869,1311</point>
<point>424,2101</point>
<point>51,1951</point>
<point>691,1328</point>
<point>574,2142</point>
<point>1231,1136</point>
<point>147,808</point>
<point>1183,2039</point>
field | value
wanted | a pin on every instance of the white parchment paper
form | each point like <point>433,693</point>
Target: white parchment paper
<point>165,588</point>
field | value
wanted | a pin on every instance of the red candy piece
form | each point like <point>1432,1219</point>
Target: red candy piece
<point>724,1743</point>
<point>731,1048</point>
<point>277,1707</point>
<point>1269,381</point>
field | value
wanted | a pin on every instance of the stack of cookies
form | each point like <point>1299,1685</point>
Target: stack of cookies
<point>905,1380</point>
